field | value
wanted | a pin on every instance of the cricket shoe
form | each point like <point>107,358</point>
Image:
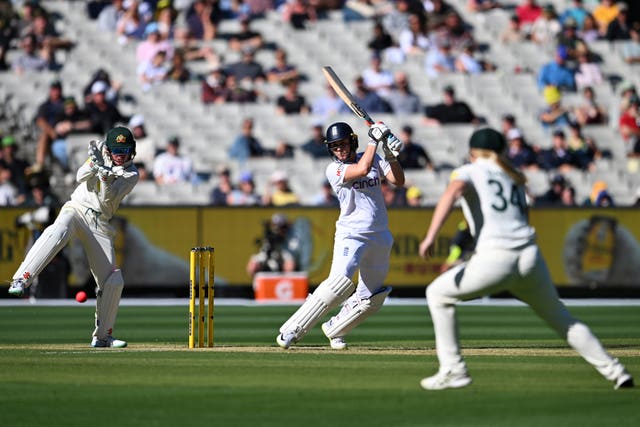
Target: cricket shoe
<point>336,343</point>
<point>17,287</point>
<point>285,339</point>
<point>624,381</point>
<point>109,341</point>
<point>446,378</point>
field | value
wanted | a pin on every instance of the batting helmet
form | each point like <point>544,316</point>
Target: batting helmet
<point>340,131</point>
<point>121,141</point>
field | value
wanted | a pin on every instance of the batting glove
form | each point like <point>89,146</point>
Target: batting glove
<point>393,144</point>
<point>379,132</point>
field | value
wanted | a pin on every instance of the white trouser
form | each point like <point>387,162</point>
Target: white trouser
<point>95,235</point>
<point>367,252</point>
<point>524,274</point>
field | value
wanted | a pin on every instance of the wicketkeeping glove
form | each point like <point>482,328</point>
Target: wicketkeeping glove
<point>95,152</point>
<point>379,132</point>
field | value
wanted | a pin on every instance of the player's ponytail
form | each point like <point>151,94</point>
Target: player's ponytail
<point>517,176</point>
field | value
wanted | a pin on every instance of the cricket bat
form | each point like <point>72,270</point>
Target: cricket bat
<point>347,97</point>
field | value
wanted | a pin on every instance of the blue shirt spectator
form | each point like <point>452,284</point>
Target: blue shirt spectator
<point>556,73</point>
<point>368,100</point>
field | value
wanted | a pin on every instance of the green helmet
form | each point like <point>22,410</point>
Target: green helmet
<point>488,139</point>
<point>120,141</point>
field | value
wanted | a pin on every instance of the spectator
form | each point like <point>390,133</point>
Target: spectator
<point>246,144</point>
<point>171,167</point>
<point>582,148</point>
<point>558,156</point>
<point>152,44</point>
<point>279,192</point>
<point>213,89</point>
<point>455,31</point>
<point>629,124</point>
<point>298,12</point>
<point>437,12</point>
<point>202,20</point>
<point>327,105</point>
<point>589,112</point>
<point>32,58</point>
<point>555,115</point>
<point>588,73</point>
<point>604,14</point>
<point>282,71</point>
<point>46,119</point>
<point>178,71</point>
<point>450,110</point>
<point>326,197</point>
<point>247,68</point>
<point>278,248</point>
<point>145,146</point>
<point>397,20</point>
<point>618,29</point>
<point>414,42</point>
<point>246,38</point>
<point>46,35</point>
<point>224,187</point>
<point>240,91</point>
<point>513,32</point>
<point>393,196</point>
<point>376,78</point>
<point>292,102</point>
<point>367,99</point>
<point>630,50</point>
<point>356,10</point>
<point>8,192</point>
<point>466,62</point>
<point>589,31</point>
<point>599,196</point>
<point>72,121</point>
<point>16,167</point>
<point>110,15</point>
<point>553,196</point>
<point>380,40</point>
<point>413,155</point>
<point>568,196</point>
<point>414,197</point>
<point>570,40</point>
<point>440,60</point>
<point>519,152</point>
<point>154,72</point>
<point>166,15</point>
<point>315,146</point>
<point>245,194</point>
<point>556,73</point>
<point>112,94</point>
<point>402,99</point>
<point>130,27</point>
<point>527,12</point>
<point>546,27</point>
<point>104,116</point>
<point>575,12</point>
<point>508,122</point>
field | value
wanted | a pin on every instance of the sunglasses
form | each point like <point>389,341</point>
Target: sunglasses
<point>121,150</point>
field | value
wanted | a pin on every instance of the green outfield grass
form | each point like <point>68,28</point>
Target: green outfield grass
<point>523,374</point>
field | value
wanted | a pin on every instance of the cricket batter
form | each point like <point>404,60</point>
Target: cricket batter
<point>105,179</point>
<point>362,238</point>
<point>506,258</point>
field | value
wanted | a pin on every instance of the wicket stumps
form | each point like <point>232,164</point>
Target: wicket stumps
<point>201,282</point>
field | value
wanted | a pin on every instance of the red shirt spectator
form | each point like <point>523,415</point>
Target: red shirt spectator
<point>528,12</point>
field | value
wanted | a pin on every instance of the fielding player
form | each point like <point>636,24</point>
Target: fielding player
<point>362,239</point>
<point>506,258</point>
<point>105,179</point>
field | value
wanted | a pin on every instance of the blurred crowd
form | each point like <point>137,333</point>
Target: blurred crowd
<point>170,36</point>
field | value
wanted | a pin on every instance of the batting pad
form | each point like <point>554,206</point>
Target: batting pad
<point>328,295</point>
<point>108,300</point>
<point>354,312</point>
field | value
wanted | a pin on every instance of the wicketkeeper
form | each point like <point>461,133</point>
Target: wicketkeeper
<point>362,239</point>
<point>104,180</point>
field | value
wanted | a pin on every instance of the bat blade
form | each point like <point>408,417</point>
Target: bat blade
<point>345,94</point>
<point>347,97</point>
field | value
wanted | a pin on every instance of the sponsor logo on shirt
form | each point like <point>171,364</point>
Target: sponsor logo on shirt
<point>366,182</point>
